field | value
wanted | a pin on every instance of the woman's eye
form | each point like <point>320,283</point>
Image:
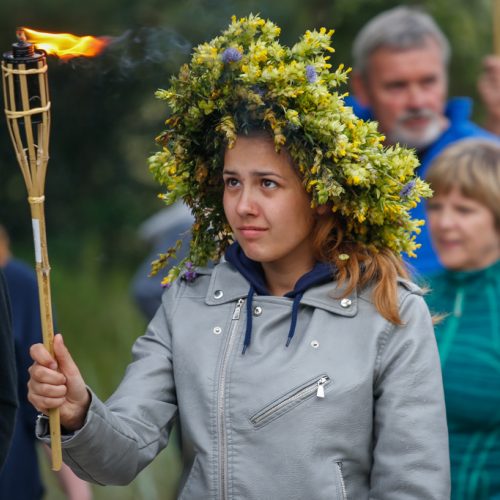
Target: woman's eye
<point>268,183</point>
<point>433,207</point>
<point>464,210</point>
<point>231,182</point>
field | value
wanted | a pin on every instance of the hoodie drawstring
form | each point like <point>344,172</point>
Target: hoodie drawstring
<point>293,323</point>
<point>248,330</point>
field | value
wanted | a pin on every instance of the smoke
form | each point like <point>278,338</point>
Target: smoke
<point>135,51</point>
<point>148,46</point>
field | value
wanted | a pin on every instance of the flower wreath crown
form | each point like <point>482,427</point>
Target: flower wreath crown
<point>245,77</point>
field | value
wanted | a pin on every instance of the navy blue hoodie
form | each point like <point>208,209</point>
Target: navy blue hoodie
<point>253,272</point>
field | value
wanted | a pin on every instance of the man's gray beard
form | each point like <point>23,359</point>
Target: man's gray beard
<point>419,141</point>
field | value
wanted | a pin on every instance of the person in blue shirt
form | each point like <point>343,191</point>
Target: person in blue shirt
<point>22,460</point>
<point>400,79</point>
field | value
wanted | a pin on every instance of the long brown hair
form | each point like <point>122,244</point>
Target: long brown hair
<point>359,266</point>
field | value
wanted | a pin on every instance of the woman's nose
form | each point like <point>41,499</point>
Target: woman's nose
<point>246,203</point>
<point>446,219</point>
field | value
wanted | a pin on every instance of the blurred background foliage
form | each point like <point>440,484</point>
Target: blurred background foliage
<point>104,120</point>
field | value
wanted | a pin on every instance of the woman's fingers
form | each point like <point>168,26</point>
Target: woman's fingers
<point>56,382</point>
<point>46,388</point>
<point>41,356</point>
<point>42,374</point>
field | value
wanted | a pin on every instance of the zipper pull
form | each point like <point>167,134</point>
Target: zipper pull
<point>237,310</point>
<point>320,392</point>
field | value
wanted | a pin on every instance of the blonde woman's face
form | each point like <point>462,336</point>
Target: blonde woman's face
<point>267,206</point>
<point>463,231</point>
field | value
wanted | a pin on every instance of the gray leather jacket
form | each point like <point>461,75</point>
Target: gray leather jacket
<point>352,409</point>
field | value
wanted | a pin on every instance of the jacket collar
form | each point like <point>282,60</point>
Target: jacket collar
<point>228,285</point>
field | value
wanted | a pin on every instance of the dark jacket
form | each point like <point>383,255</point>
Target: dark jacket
<point>8,381</point>
<point>22,461</point>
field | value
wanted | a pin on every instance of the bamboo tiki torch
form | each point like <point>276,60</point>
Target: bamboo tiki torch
<point>27,109</point>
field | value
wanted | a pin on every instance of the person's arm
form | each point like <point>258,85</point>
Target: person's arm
<point>73,487</point>
<point>110,443</point>
<point>8,378</point>
<point>411,458</point>
<point>489,90</point>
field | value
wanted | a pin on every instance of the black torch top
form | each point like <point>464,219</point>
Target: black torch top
<point>23,52</point>
<point>24,56</point>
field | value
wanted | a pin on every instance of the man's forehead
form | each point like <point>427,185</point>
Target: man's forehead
<point>388,61</point>
<point>425,47</point>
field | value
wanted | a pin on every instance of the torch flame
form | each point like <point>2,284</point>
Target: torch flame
<point>65,45</point>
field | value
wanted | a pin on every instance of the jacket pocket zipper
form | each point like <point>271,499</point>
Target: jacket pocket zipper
<point>341,478</point>
<point>318,387</point>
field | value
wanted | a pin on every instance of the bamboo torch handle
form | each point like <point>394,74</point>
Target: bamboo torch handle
<point>43,278</point>
<point>496,27</point>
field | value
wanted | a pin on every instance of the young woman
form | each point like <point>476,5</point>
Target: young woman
<point>303,365</point>
<point>464,221</point>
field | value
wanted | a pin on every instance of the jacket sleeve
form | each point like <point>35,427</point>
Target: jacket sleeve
<point>123,435</point>
<point>411,458</point>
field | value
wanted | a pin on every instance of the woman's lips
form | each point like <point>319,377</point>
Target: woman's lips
<point>251,231</point>
<point>448,244</point>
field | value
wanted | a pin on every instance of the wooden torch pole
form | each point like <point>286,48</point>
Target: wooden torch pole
<point>27,109</point>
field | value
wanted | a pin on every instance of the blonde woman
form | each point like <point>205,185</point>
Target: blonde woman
<point>464,221</point>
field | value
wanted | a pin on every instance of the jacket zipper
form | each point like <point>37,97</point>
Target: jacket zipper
<point>342,482</point>
<point>221,403</point>
<point>318,386</point>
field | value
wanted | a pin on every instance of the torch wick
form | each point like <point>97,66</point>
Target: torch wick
<point>21,35</point>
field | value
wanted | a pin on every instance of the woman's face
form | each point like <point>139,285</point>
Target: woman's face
<point>267,207</point>
<point>463,231</point>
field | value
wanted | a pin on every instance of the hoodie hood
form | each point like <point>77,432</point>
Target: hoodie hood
<point>253,272</point>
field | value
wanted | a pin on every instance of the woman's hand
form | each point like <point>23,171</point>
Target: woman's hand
<point>57,383</point>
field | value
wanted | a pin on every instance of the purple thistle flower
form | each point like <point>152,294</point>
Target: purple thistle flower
<point>231,55</point>
<point>190,274</point>
<point>407,189</point>
<point>311,74</point>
